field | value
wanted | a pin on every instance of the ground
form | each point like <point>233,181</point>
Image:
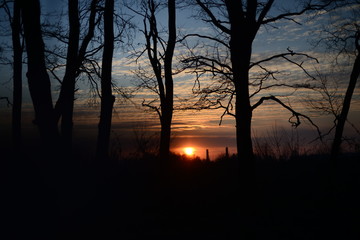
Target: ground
<point>138,199</point>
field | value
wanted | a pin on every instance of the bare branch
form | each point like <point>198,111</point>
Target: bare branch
<point>214,20</point>
<point>7,100</point>
<point>295,114</point>
<point>155,108</point>
<point>282,55</point>
<point>210,62</point>
<point>265,11</point>
<point>205,37</point>
<point>52,71</point>
<point>289,15</point>
<point>227,107</point>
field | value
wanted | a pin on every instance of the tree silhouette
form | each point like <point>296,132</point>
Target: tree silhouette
<point>76,56</point>
<point>347,33</point>
<point>17,46</point>
<point>65,102</point>
<point>107,99</point>
<point>230,63</point>
<point>38,79</point>
<point>83,43</point>
<point>160,54</point>
<point>340,36</point>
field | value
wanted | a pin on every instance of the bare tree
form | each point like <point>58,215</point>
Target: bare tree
<point>84,42</point>
<point>107,99</point>
<point>160,54</point>
<point>340,36</point>
<point>233,69</point>
<point>235,72</point>
<point>75,59</point>
<point>17,46</point>
<point>38,79</point>
<point>66,98</point>
<point>346,33</point>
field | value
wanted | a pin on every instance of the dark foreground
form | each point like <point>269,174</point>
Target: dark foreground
<point>135,199</point>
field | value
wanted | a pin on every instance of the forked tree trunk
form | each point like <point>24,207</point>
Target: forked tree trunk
<point>38,79</point>
<point>75,56</point>
<point>107,99</point>
<point>17,76</point>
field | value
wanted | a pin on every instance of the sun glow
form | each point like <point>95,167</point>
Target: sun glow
<point>189,151</point>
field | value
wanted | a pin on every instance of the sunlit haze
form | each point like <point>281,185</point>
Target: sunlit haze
<point>189,151</point>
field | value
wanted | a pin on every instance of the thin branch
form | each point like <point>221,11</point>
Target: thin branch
<point>152,107</point>
<point>214,20</point>
<point>265,11</point>
<point>205,37</point>
<point>295,114</point>
<point>54,75</point>
<point>226,111</point>
<point>282,55</point>
<point>7,100</point>
<point>288,15</point>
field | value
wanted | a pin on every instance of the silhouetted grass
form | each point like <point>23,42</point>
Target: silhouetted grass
<point>180,199</point>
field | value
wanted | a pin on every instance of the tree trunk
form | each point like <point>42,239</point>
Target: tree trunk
<point>75,56</point>
<point>243,115</point>
<point>165,136</point>
<point>242,34</point>
<point>345,110</point>
<point>107,99</point>
<point>38,79</point>
<point>241,38</point>
<point>66,97</point>
<point>167,104</point>
<point>17,76</point>
<point>246,162</point>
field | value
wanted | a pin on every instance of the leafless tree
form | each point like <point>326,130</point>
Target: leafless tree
<point>75,59</point>
<point>239,78</point>
<point>82,44</point>
<point>66,98</point>
<point>340,36</point>
<point>160,54</point>
<point>346,33</point>
<point>38,78</point>
<point>14,18</point>
<point>107,98</point>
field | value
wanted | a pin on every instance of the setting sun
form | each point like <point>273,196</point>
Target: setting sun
<point>189,151</point>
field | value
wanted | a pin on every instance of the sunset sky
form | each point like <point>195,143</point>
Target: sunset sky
<point>201,129</point>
